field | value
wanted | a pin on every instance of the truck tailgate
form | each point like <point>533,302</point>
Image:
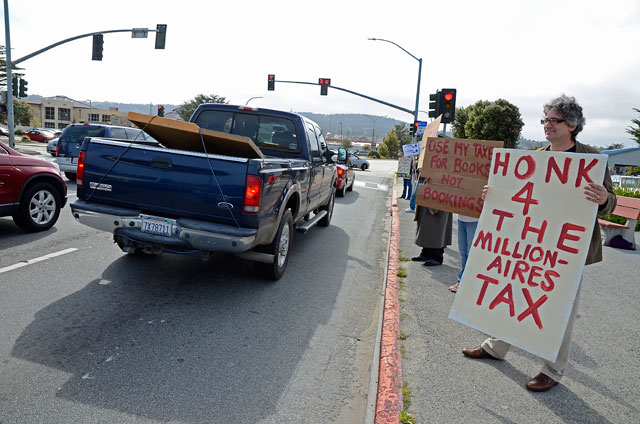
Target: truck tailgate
<point>165,182</point>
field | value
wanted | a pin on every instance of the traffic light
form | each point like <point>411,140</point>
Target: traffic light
<point>433,105</point>
<point>14,86</point>
<point>324,85</point>
<point>98,42</point>
<point>412,128</point>
<point>271,82</point>
<point>161,35</point>
<point>22,90</point>
<point>447,104</point>
<point>160,110</point>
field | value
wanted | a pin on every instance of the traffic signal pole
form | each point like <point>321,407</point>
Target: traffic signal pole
<point>415,113</point>
<point>136,33</point>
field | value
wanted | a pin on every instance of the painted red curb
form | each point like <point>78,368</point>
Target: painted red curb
<point>389,398</point>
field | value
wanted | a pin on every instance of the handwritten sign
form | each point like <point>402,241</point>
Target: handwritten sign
<point>404,167</point>
<point>456,170</point>
<point>431,130</point>
<point>528,254</point>
<point>411,149</point>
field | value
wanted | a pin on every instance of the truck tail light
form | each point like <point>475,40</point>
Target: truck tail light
<point>252,194</point>
<point>80,171</point>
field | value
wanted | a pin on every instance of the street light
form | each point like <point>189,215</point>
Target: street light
<point>252,99</point>
<point>415,112</point>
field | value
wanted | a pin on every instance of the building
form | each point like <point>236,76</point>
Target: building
<point>59,111</point>
<point>621,161</point>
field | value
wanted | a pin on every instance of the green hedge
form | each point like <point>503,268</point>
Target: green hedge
<point>627,193</point>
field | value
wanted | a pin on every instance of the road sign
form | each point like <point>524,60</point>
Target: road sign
<point>421,126</point>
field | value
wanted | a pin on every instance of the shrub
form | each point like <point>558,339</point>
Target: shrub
<point>374,153</point>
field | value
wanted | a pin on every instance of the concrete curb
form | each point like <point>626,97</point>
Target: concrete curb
<point>389,397</point>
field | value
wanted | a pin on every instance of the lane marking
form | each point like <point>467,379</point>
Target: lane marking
<point>36,260</point>
<point>373,186</point>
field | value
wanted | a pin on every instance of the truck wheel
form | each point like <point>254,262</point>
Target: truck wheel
<point>324,222</point>
<point>70,175</point>
<point>279,248</point>
<point>39,208</point>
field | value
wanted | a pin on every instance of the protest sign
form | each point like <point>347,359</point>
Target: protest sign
<point>431,130</point>
<point>529,250</point>
<point>455,171</point>
<point>404,167</point>
<point>411,149</point>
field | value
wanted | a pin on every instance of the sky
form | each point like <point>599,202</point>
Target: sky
<point>526,52</point>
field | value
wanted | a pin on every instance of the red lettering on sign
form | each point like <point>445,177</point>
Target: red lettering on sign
<point>460,148</point>
<point>483,290</point>
<point>502,215</point>
<point>505,296</point>
<point>533,307</point>
<point>535,272</point>
<point>564,235</point>
<point>583,172</point>
<point>528,200</point>
<point>531,168</point>
<point>528,228</point>
<point>553,166</point>
<point>501,164</point>
<point>548,284</point>
<point>519,270</point>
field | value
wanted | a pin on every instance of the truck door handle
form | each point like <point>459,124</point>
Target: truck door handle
<point>162,163</point>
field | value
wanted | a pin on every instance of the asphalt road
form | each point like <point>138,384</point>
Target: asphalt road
<point>600,384</point>
<point>95,336</point>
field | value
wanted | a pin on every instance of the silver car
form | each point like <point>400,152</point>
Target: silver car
<point>358,162</point>
<point>52,146</point>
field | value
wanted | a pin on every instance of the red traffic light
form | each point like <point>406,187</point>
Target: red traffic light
<point>448,96</point>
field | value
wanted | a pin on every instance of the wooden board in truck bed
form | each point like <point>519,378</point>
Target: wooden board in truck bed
<point>186,136</point>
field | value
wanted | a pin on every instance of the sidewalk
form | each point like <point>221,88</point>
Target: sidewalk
<point>601,384</point>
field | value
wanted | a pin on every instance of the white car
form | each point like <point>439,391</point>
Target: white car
<point>358,162</point>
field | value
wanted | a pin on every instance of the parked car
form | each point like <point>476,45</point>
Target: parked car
<point>73,135</point>
<point>39,135</point>
<point>346,176</point>
<point>358,162</point>
<point>4,131</point>
<point>52,146</point>
<point>32,190</point>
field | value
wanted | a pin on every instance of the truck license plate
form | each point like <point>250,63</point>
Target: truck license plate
<point>156,225</point>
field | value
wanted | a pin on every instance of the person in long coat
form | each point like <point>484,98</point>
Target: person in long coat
<point>433,234</point>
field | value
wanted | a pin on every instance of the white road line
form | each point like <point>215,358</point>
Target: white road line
<point>373,186</point>
<point>40,259</point>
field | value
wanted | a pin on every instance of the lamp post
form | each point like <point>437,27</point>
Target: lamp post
<point>373,132</point>
<point>415,112</point>
<point>251,99</point>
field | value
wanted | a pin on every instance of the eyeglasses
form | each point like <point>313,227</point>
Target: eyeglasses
<point>552,121</point>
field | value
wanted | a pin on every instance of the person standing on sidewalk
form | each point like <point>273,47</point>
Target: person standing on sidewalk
<point>433,234</point>
<point>466,231</point>
<point>562,122</point>
<point>406,189</point>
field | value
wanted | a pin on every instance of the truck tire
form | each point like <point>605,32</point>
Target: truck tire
<point>39,208</point>
<point>279,248</point>
<point>70,175</point>
<point>324,222</point>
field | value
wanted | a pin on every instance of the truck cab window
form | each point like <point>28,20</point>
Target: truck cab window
<point>313,141</point>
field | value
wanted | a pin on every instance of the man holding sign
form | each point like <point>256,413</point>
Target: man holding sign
<point>536,232</point>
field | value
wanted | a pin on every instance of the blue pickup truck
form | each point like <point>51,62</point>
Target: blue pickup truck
<point>156,199</point>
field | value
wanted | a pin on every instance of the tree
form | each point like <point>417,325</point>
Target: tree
<point>613,146</point>
<point>22,112</point>
<point>485,120</point>
<point>402,133</point>
<point>635,132</point>
<point>3,68</point>
<point>383,150</point>
<point>186,109</point>
<point>346,143</point>
<point>392,143</point>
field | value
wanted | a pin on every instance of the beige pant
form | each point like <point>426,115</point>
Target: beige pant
<point>497,348</point>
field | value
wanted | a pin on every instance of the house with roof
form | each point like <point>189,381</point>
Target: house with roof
<point>621,161</point>
<point>59,111</point>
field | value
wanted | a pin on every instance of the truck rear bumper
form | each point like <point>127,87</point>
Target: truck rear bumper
<point>185,233</point>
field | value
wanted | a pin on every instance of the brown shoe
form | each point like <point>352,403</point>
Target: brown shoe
<point>477,353</point>
<point>541,383</point>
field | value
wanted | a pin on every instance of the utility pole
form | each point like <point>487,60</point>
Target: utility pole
<point>7,37</point>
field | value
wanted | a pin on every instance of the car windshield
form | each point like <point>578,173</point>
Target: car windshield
<point>77,133</point>
<point>266,131</point>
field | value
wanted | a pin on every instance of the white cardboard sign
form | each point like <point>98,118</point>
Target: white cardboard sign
<point>411,149</point>
<point>529,250</point>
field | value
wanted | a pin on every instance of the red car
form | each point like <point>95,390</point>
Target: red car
<point>39,135</point>
<point>32,190</point>
<point>346,175</point>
